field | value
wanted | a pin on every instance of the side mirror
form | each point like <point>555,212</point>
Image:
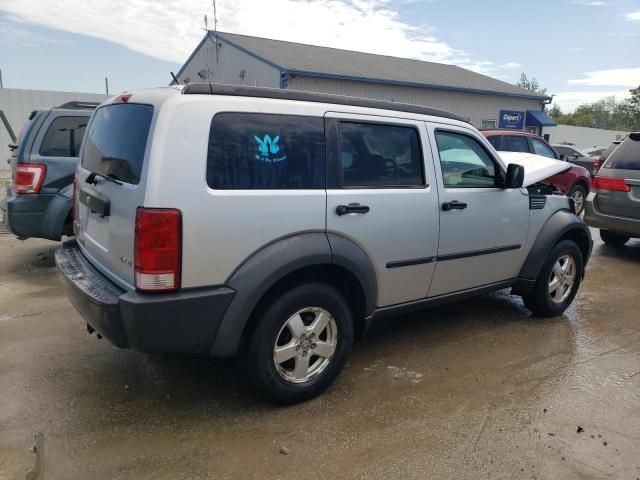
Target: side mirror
<point>514,177</point>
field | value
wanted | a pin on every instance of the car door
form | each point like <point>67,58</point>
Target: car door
<point>381,195</point>
<point>483,226</point>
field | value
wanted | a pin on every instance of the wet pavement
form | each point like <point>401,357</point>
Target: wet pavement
<point>478,389</point>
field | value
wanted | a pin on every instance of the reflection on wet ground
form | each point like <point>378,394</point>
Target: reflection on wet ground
<point>478,389</point>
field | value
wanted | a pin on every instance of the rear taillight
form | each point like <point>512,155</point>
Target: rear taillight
<point>28,177</point>
<point>158,249</point>
<point>611,184</point>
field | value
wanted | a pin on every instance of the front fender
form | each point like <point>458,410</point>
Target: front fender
<point>562,224</point>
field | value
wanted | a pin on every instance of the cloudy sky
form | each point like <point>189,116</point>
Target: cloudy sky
<point>581,50</point>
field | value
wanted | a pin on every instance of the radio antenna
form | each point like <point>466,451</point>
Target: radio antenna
<point>215,29</point>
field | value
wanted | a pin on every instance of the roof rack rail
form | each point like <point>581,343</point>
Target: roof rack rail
<point>77,105</point>
<point>263,92</point>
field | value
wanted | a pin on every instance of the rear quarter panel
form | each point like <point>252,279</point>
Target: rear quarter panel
<point>221,228</point>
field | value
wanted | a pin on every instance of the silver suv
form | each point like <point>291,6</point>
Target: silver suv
<point>279,225</point>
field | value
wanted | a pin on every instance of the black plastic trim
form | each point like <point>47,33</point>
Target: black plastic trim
<point>96,201</point>
<point>557,226</point>
<point>413,261</point>
<point>475,253</point>
<point>286,94</point>
<point>428,302</point>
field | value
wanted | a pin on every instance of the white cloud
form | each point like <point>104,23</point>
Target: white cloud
<point>511,65</point>
<point>170,31</point>
<point>568,101</point>
<point>633,15</point>
<point>590,3</point>
<point>616,77</point>
<point>25,38</point>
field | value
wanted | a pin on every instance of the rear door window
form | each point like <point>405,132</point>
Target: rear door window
<point>117,140</point>
<point>64,137</point>
<point>496,141</point>
<point>515,143</point>
<point>266,151</point>
<point>376,155</point>
<point>540,148</point>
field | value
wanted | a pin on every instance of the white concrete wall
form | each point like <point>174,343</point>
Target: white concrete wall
<point>228,66</point>
<point>583,137</point>
<point>476,107</point>
<point>17,104</point>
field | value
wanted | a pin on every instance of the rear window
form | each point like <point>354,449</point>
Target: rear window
<point>495,141</point>
<point>514,143</point>
<point>265,151</point>
<point>64,137</point>
<point>626,156</point>
<point>116,141</point>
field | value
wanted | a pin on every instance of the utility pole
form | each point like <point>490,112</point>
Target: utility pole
<point>106,84</point>
<point>1,86</point>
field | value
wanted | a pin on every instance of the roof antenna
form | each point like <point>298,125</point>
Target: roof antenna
<point>215,29</point>
<point>174,78</point>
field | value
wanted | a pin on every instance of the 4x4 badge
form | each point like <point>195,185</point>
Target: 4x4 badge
<point>268,147</point>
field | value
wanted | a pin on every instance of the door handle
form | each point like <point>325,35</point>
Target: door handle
<point>454,205</point>
<point>351,208</point>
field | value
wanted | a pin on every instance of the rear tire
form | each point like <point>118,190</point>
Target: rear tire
<point>579,195</point>
<point>613,239</point>
<point>300,344</point>
<point>557,282</point>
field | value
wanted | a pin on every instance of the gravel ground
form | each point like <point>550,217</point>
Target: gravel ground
<point>478,389</point>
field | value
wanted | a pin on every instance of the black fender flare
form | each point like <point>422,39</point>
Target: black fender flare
<point>264,268</point>
<point>560,225</point>
<point>56,213</point>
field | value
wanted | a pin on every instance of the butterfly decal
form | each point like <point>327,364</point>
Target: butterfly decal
<point>268,146</point>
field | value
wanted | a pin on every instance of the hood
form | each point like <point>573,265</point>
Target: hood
<point>536,167</point>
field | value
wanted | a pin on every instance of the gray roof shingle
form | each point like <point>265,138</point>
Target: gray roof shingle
<point>299,58</point>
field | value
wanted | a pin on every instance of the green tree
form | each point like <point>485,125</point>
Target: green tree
<point>530,84</point>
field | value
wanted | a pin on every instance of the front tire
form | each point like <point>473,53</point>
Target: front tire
<point>558,281</point>
<point>579,195</point>
<point>300,344</point>
<point>613,239</point>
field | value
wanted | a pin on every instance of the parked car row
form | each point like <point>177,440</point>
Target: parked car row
<point>574,181</point>
<point>278,225</point>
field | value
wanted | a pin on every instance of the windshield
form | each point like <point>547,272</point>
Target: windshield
<point>116,141</point>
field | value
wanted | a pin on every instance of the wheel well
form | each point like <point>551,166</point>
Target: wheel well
<point>583,184</point>
<point>580,238</point>
<point>339,277</point>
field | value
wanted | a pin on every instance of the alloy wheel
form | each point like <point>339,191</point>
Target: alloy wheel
<point>305,345</point>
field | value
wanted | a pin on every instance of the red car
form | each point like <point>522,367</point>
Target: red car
<point>574,182</point>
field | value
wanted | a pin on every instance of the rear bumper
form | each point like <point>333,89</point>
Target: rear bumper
<point>35,215</point>
<point>595,218</point>
<point>184,321</point>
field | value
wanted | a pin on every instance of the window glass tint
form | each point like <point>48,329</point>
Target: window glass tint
<point>496,141</point>
<point>464,162</point>
<point>263,151</point>
<point>376,155</point>
<point>626,156</point>
<point>540,148</point>
<point>515,143</point>
<point>64,137</point>
<point>116,141</point>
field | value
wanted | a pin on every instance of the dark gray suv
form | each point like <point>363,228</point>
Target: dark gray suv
<point>614,204</point>
<point>43,164</point>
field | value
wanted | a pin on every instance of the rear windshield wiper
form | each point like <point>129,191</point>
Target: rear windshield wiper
<point>91,178</point>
